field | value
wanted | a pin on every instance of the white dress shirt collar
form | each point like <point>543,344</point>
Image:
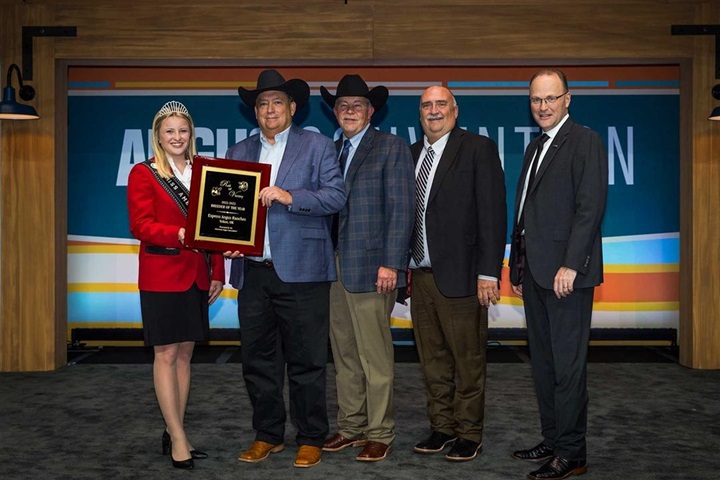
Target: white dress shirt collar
<point>186,176</point>
<point>554,131</point>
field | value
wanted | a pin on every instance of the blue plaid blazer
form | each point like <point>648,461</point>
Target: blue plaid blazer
<point>376,223</point>
<point>300,241</point>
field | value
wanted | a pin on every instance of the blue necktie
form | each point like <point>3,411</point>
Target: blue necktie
<point>344,155</point>
<point>336,220</point>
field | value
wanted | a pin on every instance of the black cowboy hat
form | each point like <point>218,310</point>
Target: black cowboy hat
<point>355,86</point>
<point>271,79</point>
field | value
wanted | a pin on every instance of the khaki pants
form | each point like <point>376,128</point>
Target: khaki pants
<point>364,363</point>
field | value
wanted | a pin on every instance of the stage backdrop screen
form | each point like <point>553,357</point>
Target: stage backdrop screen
<point>633,108</point>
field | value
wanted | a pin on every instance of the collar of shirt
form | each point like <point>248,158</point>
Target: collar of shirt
<point>279,138</point>
<point>272,153</point>
<point>550,133</point>
<point>185,176</point>
<point>356,139</point>
<point>438,147</point>
<point>354,142</point>
<point>553,131</point>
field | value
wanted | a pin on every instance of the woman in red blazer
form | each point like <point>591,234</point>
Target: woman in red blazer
<point>177,284</point>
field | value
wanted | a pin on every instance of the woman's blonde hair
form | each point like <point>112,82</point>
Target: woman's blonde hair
<point>170,109</point>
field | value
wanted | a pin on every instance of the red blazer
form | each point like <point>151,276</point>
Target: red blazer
<point>155,219</point>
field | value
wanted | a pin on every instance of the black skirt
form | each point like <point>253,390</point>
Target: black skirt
<point>174,317</point>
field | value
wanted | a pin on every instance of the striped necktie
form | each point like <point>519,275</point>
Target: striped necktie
<point>421,183</point>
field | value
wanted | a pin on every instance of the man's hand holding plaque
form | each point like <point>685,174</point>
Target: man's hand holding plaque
<point>275,194</point>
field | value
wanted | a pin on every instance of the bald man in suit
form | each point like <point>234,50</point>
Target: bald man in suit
<point>457,253</point>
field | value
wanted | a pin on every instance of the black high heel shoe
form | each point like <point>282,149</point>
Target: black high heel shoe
<point>167,448</point>
<point>166,443</point>
<point>198,455</point>
<point>188,464</point>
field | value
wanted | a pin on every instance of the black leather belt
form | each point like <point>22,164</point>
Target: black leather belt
<point>262,264</point>
<point>424,269</point>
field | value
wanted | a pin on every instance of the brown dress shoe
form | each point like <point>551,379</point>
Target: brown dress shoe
<point>259,451</point>
<point>307,456</point>
<point>373,452</point>
<point>337,442</point>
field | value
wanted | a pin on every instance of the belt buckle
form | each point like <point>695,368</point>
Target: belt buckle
<point>261,263</point>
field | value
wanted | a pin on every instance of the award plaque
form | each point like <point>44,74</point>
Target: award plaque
<point>225,213</point>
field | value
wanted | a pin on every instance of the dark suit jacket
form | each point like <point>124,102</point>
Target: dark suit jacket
<point>300,241</point>
<point>375,226</point>
<point>564,208</point>
<point>465,217</point>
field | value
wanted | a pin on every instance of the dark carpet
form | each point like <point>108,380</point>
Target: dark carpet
<point>97,418</point>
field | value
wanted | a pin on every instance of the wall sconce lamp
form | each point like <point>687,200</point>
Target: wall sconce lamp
<point>715,115</point>
<point>9,108</point>
<point>705,30</point>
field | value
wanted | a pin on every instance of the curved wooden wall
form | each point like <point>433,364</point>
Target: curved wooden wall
<point>32,156</point>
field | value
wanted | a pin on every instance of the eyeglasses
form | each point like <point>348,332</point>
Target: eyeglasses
<point>357,106</point>
<point>549,100</point>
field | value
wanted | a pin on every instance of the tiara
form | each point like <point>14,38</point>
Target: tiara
<point>173,106</point>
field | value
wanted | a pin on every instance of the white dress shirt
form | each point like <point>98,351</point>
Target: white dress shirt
<point>272,155</point>
<point>438,147</point>
<point>184,177</point>
<point>550,133</point>
<point>354,142</point>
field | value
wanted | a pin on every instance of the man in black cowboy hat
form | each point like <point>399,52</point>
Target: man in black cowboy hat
<point>283,298</point>
<point>373,234</point>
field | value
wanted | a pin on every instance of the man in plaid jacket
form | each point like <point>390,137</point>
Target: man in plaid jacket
<point>373,234</point>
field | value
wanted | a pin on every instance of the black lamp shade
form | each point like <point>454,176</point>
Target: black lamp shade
<point>11,110</point>
<point>715,115</point>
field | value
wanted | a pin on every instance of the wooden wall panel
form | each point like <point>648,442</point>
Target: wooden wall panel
<point>32,329</point>
<point>202,30</point>
<point>700,255</point>
<point>686,208</point>
<point>32,154</point>
<point>544,30</point>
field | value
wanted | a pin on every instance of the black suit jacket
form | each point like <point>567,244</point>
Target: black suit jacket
<point>564,208</point>
<point>466,217</point>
